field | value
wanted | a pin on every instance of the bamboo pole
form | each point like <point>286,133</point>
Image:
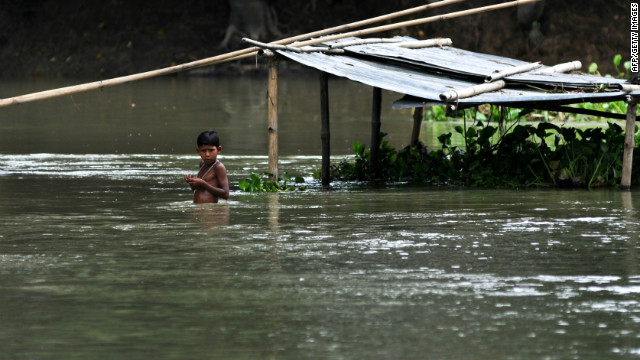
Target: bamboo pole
<point>344,44</point>
<point>424,43</point>
<point>629,87</point>
<point>376,110</point>
<point>453,95</point>
<point>301,49</point>
<point>629,143</point>
<point>501,74</point>
<point>234,55</point>
<point>562,68</point>
<point>418,114</point>
<point>272,119</point>
<point>415,22</point>
<point>325,132</point>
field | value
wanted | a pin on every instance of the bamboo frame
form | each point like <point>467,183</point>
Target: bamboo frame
<point>234,55</point>
<point>241,54</point>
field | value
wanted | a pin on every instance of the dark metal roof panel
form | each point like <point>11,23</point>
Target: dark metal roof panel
<point>429,86</point>
<point>468,63</point>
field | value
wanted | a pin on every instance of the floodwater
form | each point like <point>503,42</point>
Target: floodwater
<point>103,255</point>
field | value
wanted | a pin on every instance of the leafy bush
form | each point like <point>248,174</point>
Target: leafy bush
<point>500,156</point>
<point>263,184</point>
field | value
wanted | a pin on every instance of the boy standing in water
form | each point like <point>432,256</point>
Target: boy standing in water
<point>211,181</point>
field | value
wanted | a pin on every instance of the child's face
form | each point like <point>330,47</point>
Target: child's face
<point>209,153</point>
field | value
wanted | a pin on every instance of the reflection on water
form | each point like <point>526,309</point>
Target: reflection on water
<point>210,216</point>
<point>105,256</point>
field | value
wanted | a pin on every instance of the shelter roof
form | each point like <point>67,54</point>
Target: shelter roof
<point>426,73</point>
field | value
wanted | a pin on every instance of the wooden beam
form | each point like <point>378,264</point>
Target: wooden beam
<point>629,144</point>
<point>418,113</point>
<point>573,110</point>
<point>325,133</point>
<point>272,119</point>
<point>375,130</point>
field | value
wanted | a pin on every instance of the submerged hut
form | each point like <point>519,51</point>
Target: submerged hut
<point>434,73</point>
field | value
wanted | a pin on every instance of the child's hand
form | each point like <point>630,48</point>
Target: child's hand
<point>192,181</point>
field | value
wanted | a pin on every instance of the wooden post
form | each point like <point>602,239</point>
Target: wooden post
<point>629,144</point>
<point>417,124</point>
<point>272,119</point>
<point>375,130</point>
<point>325,133</point>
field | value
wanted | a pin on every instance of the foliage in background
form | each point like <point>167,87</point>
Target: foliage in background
<point>498,153</point>
<point>255,183</point>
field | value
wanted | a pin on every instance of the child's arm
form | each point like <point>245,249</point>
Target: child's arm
<point>221,191</point>
<point>223,182</point>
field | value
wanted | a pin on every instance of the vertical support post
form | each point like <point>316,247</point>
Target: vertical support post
<point>629,143</point>
<point>375,130</point>
<point>418,113</point>
<point>272,119</point>
<point>325,133</point>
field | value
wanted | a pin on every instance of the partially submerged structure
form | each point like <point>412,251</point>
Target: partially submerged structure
<point>433,73</point>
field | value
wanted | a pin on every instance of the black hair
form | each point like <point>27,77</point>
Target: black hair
<point>209,137</point>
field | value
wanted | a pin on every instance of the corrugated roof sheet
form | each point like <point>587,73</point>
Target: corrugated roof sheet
<point>426,73</point>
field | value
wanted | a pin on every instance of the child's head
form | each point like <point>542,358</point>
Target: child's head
<point>209,137</point>
<point>208,146</point>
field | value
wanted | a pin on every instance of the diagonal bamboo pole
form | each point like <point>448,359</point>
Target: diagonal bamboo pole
<point>234,55</point>
<point>240,54</point>
<point>421,21</point>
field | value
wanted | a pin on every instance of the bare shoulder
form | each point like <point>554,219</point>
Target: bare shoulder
<point>219,166</point>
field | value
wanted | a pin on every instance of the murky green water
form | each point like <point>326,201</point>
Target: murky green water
<point>103,256</point>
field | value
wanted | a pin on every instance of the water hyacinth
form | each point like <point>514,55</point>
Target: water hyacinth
<point>545,155</point>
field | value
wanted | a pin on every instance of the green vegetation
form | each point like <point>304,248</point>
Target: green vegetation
<point>501,157</point>
<point>255,183</point>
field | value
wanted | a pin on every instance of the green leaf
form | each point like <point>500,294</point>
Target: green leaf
<point>604,147</point>
<point>471,132</point>
<point>617,59</point>
<point>358,148</point>
<point>244,185</point>
<point>593,68</point>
